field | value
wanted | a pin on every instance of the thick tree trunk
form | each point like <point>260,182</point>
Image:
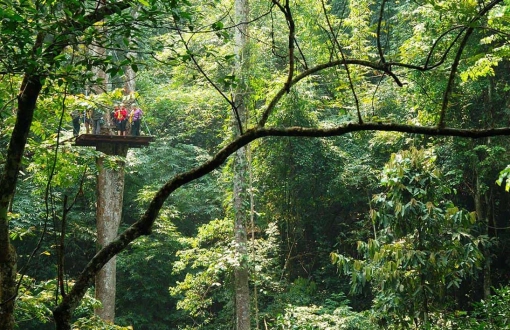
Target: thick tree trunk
<point>31,88</point>
<point>7,287</point>
<point>110,189</point>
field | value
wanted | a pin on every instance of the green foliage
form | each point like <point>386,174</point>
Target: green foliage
<point>310,193</point>
<point>148,168</point>
<point>491,314</point>
<point>36,300</point>
<point>318,318</point>
<point>206,291</point>
<point>33,307</point>
<point>423,247</point>
<point>504,177</point>
<point>208,266</point>
<point>301,292</point>
<point>95,322</point>
<point>142,271</point>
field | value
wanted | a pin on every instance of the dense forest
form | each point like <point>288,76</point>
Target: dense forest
<point>312,164</point>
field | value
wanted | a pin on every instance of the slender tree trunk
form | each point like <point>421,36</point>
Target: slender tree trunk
<point>482,216</point>
<point>242,293</point>
<point>130,78</point>
<point>129,73</point>
<point>30,88</point>
<point>482,204</point>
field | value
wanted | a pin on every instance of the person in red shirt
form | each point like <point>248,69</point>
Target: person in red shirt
<point>121,118</point>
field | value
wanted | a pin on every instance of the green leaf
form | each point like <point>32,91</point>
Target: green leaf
<point>217,25</point>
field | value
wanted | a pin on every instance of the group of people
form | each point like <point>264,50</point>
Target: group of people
<point>93,119</point>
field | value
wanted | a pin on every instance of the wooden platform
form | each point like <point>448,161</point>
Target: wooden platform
<point>88,140</point>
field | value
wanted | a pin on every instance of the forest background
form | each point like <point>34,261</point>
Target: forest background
<point>376,137</point>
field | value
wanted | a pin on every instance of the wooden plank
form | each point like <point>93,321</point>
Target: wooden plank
<point>87,140</point>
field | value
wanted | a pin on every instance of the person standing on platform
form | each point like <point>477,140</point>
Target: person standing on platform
<point>121,117</point>
<point>97,118</point>
<point>135,117</point>
<point>113,120</point>
<point>75,115</point>
<point>87,119</point>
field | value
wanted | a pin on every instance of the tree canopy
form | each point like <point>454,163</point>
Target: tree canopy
<point>377,134</point>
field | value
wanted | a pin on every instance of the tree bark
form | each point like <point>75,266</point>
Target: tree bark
<point>110,189</point>
<point>240,196</point>
<point>27,98</point>
<point>242,294</point>
<point>129,73</point>
<point>7,287</point>
<point>482,216</point>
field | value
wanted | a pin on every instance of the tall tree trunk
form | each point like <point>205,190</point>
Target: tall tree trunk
<point>110,190</point>
<point>481,199</point>
<point>129,73</point>
<point>27,98</point>
<point>242,293</point>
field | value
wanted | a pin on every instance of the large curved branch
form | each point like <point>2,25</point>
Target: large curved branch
<point>143,226</point>
<point>473,133</point>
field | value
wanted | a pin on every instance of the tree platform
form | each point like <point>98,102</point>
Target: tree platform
<point>87,140</point>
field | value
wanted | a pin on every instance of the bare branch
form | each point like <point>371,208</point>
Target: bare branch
<point>285,9</point>
<point>379,22</point>
<point>351,84</point>
<point>320,67</point>
<point>199,68</point>
<point>455,64</point>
